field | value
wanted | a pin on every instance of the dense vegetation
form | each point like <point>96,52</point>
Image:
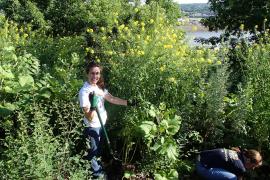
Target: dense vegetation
<point>190,98</point>
<point>252,15</point>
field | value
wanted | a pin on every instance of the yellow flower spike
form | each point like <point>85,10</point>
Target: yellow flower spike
<point>209,61</point>
<point>25,35</point>
<point>89,30</point>
<point>87,49</point>
<point>110,53</point>
<point>104,38</point>
<point>136,10</point>
<point>92,51</point>
<point>126,28</point>
<point>121,27</point>
<point>151,21</point>
<point>172,80</point>
<point>218,62</point>
<point>242,26</point>
<point>162,68</point>
<point>135,23</point>
<point>142,24</point>
<point>102,29</point>
<point>168,46</point>
<point>201,60</point>
<point>143,29</point>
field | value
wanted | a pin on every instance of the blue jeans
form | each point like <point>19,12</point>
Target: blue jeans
<point>93,135</point>
<point>214,173</point>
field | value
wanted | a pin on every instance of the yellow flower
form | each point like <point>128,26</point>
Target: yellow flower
<point>142,24</point>
<point>135,23</point>
<point>209,61</point>
<point>126,28</point>
<point>162,68</point>
<point>103,38</point>
<point>218,62</point>
<point>168,46</point>
<point>172,80</point>
<point>143,29</point>
<point>136,9</point>
<point>242,27</point>
<point>25,35</point>
<point>110,53</point>
<point>89,30</point>
<point>102,29</point>
<point>121,27</point>
<point>151,21</point>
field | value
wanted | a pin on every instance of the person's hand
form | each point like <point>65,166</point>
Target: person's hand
<point>93,101</point>
<point>132,102</point>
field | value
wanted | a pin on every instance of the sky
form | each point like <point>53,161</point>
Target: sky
<point>190,1</point>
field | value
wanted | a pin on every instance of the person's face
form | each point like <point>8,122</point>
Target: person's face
<point>94,75</point>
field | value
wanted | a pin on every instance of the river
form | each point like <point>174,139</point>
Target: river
<point>190,36</point>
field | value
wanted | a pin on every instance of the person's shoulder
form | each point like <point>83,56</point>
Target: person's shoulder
<point>85,88</point>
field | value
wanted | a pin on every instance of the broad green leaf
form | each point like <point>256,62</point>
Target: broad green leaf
<point>9,48</point>
<point>6,74</point>
<point>159,177</point>
<point>147,127</point>
<point>26,80</point>
<point>155,147</point>
<point>152,112</point>
<point>6,109</point>
<point>173,174</point>
<point>174,125</point>
<point>172,151</point>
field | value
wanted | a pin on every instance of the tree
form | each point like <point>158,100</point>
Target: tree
<point>233,14</point>
<point>171,8</point>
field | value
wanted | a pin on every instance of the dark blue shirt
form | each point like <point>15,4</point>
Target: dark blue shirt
<point>229,160</point>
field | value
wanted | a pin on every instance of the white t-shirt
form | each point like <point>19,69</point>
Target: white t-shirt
<point>84,102</point>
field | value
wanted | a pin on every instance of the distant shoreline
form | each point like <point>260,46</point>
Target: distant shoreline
<point>192,25</point>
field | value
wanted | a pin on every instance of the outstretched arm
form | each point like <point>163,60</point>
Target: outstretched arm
<point>115,100</point>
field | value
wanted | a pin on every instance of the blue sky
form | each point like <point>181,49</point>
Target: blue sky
<point>190,1</point>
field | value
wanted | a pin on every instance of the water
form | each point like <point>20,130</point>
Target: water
<point>190,36</point>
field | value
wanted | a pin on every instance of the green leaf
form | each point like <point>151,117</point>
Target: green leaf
<point>6,109</point>
<point>26,80</point>
<point>152,112</point>
<point>172,151</point>
<point>173,125</point>
<point>173,174</point>
<point>6,74</point>
<point>147,127</point>
<point>159,177</point>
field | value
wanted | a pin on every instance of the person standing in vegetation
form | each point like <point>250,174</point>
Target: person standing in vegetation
<point>92,131</point>
<point>224,164</point>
